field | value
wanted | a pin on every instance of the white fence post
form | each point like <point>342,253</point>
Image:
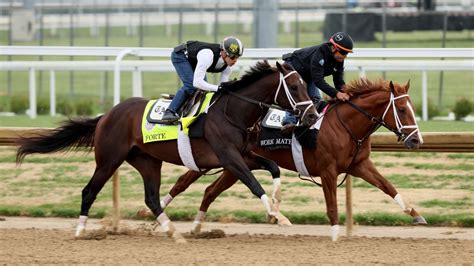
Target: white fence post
<point>424,95</point>
<point>52,93</point>
<point>32,87</point>
<point>361,72</point>
<point>118,60</point>
<point>137,83</point>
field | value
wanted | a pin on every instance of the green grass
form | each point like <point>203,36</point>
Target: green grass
<point>243,216</point>
<point>464,203</point>
<point>461,167</point>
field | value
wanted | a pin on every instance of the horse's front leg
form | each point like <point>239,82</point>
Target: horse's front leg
<point>329,184</point>
<point>367,171</point>
<point>184,181</point>
<point>233,161</point>
<point>269,165</point>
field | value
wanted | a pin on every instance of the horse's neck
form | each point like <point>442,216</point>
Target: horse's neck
<point>358,123</point>
<point>262,91</point>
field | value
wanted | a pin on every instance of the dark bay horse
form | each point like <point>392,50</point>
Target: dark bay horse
<point>117,137</point>
<point>343,146</point>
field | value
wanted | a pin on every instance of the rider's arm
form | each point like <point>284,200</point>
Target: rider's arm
<point>204,61</point>
<point>225,75</point>
<point>338,76</point>
<point>317,74</point>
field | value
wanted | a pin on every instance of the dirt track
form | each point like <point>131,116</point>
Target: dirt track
<point>50,240</point>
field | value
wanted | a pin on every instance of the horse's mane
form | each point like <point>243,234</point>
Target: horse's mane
<point>257,72</point>
<point>363,85</point>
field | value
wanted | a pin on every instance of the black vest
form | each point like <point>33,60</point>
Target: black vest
<point>193,48</point>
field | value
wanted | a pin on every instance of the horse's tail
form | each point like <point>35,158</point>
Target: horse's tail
<point>72,134</point>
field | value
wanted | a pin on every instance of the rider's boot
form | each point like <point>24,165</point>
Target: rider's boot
<point>169,117</point>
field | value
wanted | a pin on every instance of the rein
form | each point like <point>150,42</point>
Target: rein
<point>262,105</point>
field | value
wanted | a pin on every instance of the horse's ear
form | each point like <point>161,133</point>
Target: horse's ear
<point>392,88</point>
<point>407,86</point>
<point>280,68</point>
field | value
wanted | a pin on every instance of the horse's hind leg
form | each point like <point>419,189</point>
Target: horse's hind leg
<point>225,181</point>
<point>102,173</point>
<point>367,171</point>
<point>150,170</point>
<point>184,181</point>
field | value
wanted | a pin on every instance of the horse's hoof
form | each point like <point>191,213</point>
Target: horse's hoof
<point>80,231</point>
<point>419,220</point>
<point>271,219</point>
<point>282,220</point>
<point>196,229</point>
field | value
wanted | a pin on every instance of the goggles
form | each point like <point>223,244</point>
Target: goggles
<point>342,52</point>
<point>339,48</point>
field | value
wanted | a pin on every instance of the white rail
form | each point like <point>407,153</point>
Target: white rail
<point>137,67</point>
<point>257,53</point>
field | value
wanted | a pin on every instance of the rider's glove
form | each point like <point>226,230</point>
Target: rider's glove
<point>221,88</point>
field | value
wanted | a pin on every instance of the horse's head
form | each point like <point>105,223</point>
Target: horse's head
<point>294,95</point>
<point>399,116</point>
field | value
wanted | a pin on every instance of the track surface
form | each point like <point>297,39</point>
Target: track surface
<point>50,240</point>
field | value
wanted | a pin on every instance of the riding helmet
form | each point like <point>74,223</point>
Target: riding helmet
<point>232,46</point>
<point>342,42</point>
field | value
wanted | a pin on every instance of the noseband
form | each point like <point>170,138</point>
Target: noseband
<point>381,122</point>
<point>400,126</point>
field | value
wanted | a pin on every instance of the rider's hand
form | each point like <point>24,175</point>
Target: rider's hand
<point>221,88</point>
<point>342,96</point>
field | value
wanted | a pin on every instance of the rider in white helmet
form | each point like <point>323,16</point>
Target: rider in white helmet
<point>192,60</point>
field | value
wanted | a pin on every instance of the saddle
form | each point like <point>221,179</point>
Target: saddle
<point>189,108</point>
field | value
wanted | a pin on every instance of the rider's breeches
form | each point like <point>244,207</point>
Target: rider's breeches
<point>186,74</point>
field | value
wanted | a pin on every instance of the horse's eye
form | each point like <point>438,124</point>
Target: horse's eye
<point>402,110</point>
<point>293,87</point>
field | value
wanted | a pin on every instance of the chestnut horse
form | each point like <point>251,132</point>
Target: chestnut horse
<point>343,146</point>
<point>117,137</point>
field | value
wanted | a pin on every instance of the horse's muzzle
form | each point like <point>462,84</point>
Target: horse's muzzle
<point>309,119</point>
<point>413,142</point>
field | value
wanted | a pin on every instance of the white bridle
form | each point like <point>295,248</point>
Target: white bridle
<point>292,101</point>
<point>398,123</point>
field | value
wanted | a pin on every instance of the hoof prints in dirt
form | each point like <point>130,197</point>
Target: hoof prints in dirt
<point>93,235</point>
<point>102,234</point>
<point>214,233</point>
